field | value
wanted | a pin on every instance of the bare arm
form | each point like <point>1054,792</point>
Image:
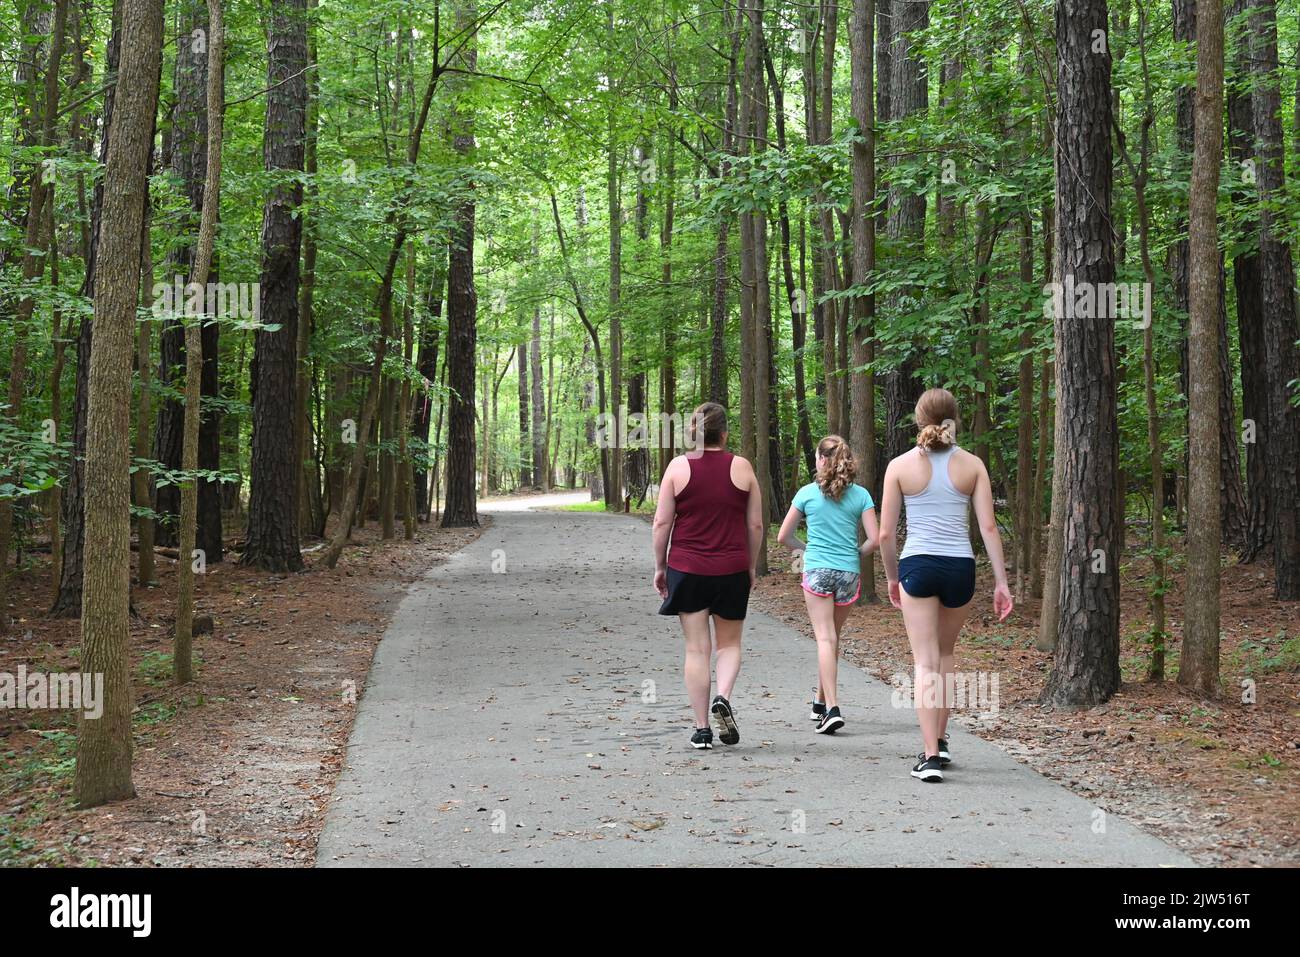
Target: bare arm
<point>787,536</point>
<point>665,513</point>
<point>754,520</point>
<point>983,502</point>
<point>890,506</point>
<point>872,530</point>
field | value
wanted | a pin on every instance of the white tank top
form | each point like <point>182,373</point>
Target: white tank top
<point>938,517</point>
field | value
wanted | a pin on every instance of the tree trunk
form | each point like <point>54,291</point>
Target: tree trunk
<point>863,418</point>
<point>189,163</point>
<point>1026,515</point>
<point>387,460</point>
<point>614,478</point>
<point>311,514</point>
<point>272,540</point>
<point>1086,667</point>
<point>430,339</point>
<point>104,746</point>
<point>541,467</point>
<point>1277,294</point>
<point>905,225</point>
<point>762,324</point>
<point>1250,306</point>
<point>462,308</point>
<point>182,656</point>
<point>67,603</point>
<point>1141,172</point>
<point>144,412</point>
<point>1232,499</point>
<point>525,443</point>
<point>1198,667</point>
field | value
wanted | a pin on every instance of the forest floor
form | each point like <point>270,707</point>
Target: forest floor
<point>236,768</point>
<point>1220,779</point>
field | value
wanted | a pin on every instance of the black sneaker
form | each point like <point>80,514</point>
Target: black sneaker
<point>818,711</point>
<point>830,722</point>
<point>945,758</point>
<point>702,739</point>
<point>928,769</point>
<point>728,733</point>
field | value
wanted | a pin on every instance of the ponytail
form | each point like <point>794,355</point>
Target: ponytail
<point>936,416</point>
<point>934,437</point>
<point>838,469</point>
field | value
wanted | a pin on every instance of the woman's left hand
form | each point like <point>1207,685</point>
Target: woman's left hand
<point>1002,603</point>
<point>661,582</point>
<point>895,597</point>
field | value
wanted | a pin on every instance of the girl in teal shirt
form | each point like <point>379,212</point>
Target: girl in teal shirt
<point>833,506</point>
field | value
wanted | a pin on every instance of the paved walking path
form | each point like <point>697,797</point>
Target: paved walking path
<point>536,716</point>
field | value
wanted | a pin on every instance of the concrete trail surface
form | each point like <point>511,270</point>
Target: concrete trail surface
<point>537,716</point>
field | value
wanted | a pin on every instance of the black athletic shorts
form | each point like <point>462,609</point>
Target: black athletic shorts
<point>726,596</point>
<point>951,580</point>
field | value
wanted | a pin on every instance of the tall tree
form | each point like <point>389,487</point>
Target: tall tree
<point>430,340</point>
<point>182,657</point>
<point>68,600</point>
<point>613,182</point>
<point>1247,289</point>
<point>1278,301</point>
<point>188,161</point>
<point>762,325</point>
<point>1232,499</point>
<point>272,541</point>
<point>462,306</point>
<point>909,94</point>
<point>1199,666</point>
<point>311,511</point>
<point>104,746</point>
<point>1086,667</point>
<point>863,418</point>
<point>540,432</point>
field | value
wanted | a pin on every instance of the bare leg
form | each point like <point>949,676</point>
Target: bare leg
<point>695,626</point>
<point>821,612</point>
<point>921,616</point>
<point>950,625</point>
<point>726,634</point>
<point>841,616</point>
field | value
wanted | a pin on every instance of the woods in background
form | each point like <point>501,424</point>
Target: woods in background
<point>274,272</point>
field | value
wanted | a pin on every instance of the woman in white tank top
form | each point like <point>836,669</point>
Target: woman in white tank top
<point>933,581</point>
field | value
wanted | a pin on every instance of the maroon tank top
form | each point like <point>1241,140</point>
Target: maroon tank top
<point>709,535</point>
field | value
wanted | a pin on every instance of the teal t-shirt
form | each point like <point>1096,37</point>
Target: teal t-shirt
<point>833,526</point>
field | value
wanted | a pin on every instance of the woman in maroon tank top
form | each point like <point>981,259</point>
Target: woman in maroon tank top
<point>707,530</point>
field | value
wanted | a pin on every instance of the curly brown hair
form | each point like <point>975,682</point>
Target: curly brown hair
<point>838,469</point>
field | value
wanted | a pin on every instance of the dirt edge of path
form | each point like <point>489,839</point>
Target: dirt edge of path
<point>237,768</point>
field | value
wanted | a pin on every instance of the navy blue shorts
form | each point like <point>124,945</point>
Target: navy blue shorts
<point>951,580</point>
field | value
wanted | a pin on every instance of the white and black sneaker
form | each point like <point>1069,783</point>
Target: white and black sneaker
<point>728,732</point>
<point>818,711</point>
<point>928,769</point>
<point>830,722</point>
<point>945,757</point>
<point>702,739</point>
